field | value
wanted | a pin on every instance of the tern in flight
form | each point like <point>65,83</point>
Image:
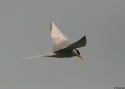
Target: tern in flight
<point>61,47</point>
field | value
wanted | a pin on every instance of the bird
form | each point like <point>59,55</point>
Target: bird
<point>61,46</point>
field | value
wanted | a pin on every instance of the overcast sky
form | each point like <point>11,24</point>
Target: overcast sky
<point>25,32</point>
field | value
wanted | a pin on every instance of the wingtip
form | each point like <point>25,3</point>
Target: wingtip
<point>51,24</point>
<point>85,39</point>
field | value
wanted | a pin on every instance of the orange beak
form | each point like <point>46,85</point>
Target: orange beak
<point>80,57</point>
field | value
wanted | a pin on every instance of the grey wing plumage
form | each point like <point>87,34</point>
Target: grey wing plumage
<point>59,39</point>
<point>80,43</point>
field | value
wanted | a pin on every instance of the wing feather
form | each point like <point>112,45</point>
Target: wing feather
<point>80,43</point>
<point>59,39</point>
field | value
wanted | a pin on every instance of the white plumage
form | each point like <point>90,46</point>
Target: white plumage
<point>61,47</point>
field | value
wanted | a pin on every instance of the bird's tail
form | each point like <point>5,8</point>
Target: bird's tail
<point>44,55</point>
<point>34,57</point>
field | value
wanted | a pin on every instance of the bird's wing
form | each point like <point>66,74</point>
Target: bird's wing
<point>59,39</point>
<point>80,43</point>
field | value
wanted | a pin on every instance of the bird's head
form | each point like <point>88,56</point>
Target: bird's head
<point>78,54</point>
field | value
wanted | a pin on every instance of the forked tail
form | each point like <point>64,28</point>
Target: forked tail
<point>44,55</point>
<point>34,57</point>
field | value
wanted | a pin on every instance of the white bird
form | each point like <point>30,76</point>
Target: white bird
<point>61,47</point>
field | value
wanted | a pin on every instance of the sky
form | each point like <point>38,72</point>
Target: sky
<point>25,32</point>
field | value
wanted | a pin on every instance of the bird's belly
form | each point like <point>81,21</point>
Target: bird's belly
<point>64,55</point>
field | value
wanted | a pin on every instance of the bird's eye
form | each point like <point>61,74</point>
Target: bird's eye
<point>77,51</point>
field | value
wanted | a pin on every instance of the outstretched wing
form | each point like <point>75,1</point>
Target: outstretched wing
<point>59,39</point>
<point>80,43</point>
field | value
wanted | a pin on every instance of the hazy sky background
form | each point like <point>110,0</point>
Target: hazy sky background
<point>25,32</point>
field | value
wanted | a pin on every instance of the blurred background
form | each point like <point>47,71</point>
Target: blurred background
<point>25,32</point>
